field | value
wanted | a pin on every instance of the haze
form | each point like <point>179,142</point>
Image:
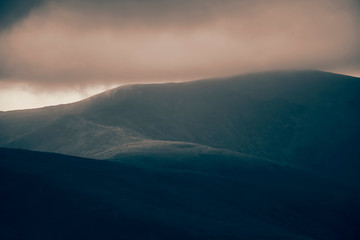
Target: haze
<point>54,52</point>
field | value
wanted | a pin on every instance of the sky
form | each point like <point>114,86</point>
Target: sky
<point>54,52</point>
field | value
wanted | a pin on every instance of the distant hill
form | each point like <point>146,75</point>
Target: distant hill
<point>308,119</point>
<point>210,196</point>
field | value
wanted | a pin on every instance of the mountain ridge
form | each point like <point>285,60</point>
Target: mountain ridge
<point>304,118</point>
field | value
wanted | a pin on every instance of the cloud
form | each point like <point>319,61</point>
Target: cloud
<point>62,44</point>
<point>12,11</point>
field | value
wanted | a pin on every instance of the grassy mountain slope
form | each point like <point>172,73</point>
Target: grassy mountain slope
<point>54,196</point>
<point>306,118</point>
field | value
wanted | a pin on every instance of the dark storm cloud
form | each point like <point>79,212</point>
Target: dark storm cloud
<point>12,11</point>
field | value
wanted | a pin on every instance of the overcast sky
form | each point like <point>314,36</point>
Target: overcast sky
<point>61,51</point>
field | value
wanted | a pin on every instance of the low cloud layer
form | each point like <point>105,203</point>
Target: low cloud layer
<point>65,44</point>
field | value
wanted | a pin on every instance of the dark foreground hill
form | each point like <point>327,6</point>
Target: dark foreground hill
<point>210,196</point>
<point>305,118</point>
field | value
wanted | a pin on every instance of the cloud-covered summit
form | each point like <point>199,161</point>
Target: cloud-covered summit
<point>50,44</point>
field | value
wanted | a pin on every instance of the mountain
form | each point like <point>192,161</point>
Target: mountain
<point>269,155</point>
<point>211,196</point>
<point>308,119</point>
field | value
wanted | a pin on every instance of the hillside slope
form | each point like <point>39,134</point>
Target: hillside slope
<point>52,196</point>
<point>305,118</point>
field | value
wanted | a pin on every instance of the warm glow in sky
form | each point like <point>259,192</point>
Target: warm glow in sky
<point>23,97</point>
<point>54,52</point>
